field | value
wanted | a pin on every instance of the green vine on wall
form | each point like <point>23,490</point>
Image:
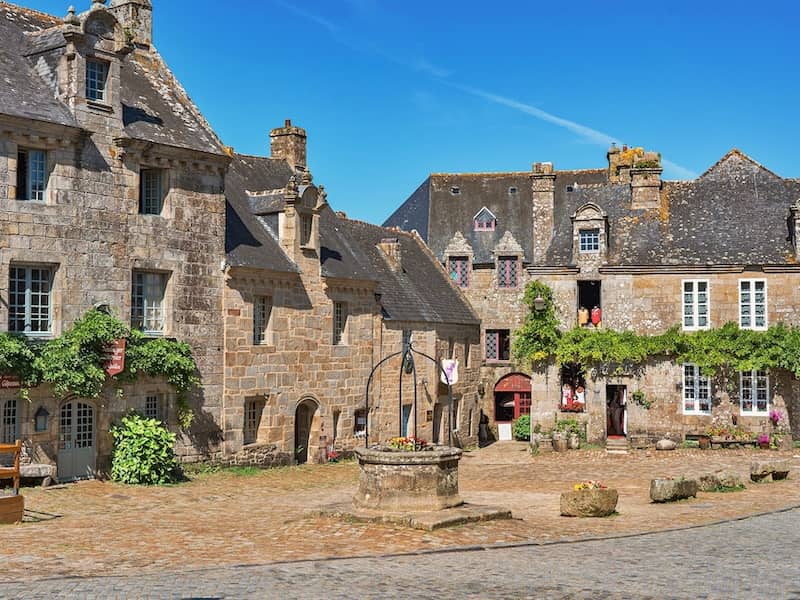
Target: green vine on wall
<point>715,351</point>
<point>73,364</point>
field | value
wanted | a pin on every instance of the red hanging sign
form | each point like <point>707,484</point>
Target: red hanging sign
<point>115,358</point>
<point>9,382</point>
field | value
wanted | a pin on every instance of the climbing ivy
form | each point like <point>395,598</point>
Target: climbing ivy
<point>74,362</point>
<point>714,351</point>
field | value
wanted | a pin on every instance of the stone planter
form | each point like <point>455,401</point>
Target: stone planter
<point>589,503</point>
<point>574,441</point>
<point>670,490</point>
<point>12,508</point>
<point>560,443</point>
<point>546,444</point>
<point>407,481</point>
<point>704,442</point>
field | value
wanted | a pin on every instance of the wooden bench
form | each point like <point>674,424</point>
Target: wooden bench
<point>11,472</point>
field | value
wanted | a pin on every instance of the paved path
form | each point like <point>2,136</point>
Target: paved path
<point>754,558</point>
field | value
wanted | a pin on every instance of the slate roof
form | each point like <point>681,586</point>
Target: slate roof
<point>23,93</point>
<point>735,213</point>
<point>420,291</point>
<point>155,108</point>
<point>251,238</point>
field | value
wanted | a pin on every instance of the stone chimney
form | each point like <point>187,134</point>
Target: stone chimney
<point>289,143</point>
<point>391,251</point>
<point>136,18</point>
<point>544,185</point>
<point>646,187</point>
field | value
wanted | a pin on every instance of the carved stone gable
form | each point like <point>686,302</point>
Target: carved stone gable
<point>458,246</point>
<point>508,246</point>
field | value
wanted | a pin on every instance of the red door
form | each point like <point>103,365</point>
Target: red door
<point>512,396</point>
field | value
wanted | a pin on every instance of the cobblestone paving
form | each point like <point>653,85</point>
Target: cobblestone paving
<point>752,558</point>
<point>221,520</point>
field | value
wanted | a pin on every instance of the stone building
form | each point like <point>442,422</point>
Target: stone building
<point>313,301</point>
<point>111,193</point>
<point>627,250</point>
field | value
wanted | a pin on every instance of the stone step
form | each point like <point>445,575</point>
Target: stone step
<point>617,446</point>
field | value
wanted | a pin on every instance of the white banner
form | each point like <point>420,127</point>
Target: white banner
<point>450,371</point>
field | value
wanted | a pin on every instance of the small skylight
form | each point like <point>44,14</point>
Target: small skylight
<point>455,190</point>
<point>512,190</point>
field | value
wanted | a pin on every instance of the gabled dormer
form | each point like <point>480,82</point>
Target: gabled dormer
<point>589,236</point>
<point>299,224</point>
<point>508,255</point>
<point>484,220</point>
<point>458,260</point>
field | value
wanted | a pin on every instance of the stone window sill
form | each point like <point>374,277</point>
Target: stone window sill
<point>99,106</point>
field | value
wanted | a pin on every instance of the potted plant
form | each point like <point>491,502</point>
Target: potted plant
<point>763,441</point>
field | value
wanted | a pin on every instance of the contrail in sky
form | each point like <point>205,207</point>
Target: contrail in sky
<point>422,65</point>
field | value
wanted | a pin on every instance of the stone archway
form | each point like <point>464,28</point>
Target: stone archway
<point>306,431</point>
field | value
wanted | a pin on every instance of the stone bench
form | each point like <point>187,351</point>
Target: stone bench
<point>719,480</point>
<point>670,490</point>
<point>762,471</point>
<point>39,471</point>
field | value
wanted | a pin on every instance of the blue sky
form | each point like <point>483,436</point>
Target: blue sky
<point>391,90</point>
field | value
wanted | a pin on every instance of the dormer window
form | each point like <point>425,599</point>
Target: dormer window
<point>96,80</point>
<point>458,266</point>
<point>512,190</point>
<point>590,235</point>
<point>484,220</point>
<point>306,223</point>
<point>455,190</point>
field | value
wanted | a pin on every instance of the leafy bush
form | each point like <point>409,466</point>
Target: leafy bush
<point>571,426</point>
<point>522,428</point>
<point>143,452</point>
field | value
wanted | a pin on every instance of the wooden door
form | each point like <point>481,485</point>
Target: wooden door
<point>76,441</point>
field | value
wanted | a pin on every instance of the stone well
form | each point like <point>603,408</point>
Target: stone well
<point>408,481</point>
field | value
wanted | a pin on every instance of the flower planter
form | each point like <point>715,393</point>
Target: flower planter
<point>407,481</point>
<point>12,508</point>
<point>589,503</point>
<point>574,441</point>
<point>704,442</point>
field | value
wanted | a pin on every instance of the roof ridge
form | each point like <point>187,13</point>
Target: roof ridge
<point>745,156</point>
<point>407,234</point>
<point>258,156</point>
<point>32,11</point>
<point>481,173</point>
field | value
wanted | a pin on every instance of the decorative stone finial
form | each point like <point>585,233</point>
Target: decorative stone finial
<point>98,4</point>
<point>307,178</point>
<point>71,18</point>
<point>322,196</point>
<point>291,187</point>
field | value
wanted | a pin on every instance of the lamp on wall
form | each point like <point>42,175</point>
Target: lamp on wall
<point>539,304</point>
<point>481,389</point>
<point>41,419</point>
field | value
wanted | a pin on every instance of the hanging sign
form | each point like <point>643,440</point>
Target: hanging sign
<point>450,374</point>
<point>9,382</point>
<point>115,358</point>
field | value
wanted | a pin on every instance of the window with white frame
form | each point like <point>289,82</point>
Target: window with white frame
<point>589,240</point>
<point>151,191</point>
<point>32,174</point>
<point>696,391</point>
<point>695,304</point>
<point>96,80</point>
<point>9,428</point>
<point>753,303</point>
<point>458,267</point>
<point>262,312</point>
<point>339,323</point>
<point>507,267</point>
<point>29,300</point>
<point>754,392</point>
<point>147,302</point>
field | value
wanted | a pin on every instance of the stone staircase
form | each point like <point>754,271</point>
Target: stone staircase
<point>617,445</point>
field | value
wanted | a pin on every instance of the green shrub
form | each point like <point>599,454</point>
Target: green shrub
<point>143,452</point>
<point>522,428</point>
<point>571,426</point>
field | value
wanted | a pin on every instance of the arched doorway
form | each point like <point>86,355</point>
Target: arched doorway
<point>76,440</point>
<point>305,422</point>
<point>512,397</point>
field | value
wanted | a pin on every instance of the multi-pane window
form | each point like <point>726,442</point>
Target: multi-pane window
<point>262,311</point>
<point>696,391</point>
<point>498,344</point>
<point>695,304</point>
<point>29,300</point>
<point>507,271</point>
<point>8,422</point>
<point>753,303</point>
<point>484,220</point>
<point>31,174</point>
<point>589,240</point>
<point>151,191</point>
<point>96,78</point>
<point>360,423</point>
<point>306,223</point>
<point>754,392</point>
<point>154,406</point>
<point>339,322</point>
<point>147,302</point>
<point>252,420</point>
<point>458,267</point>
